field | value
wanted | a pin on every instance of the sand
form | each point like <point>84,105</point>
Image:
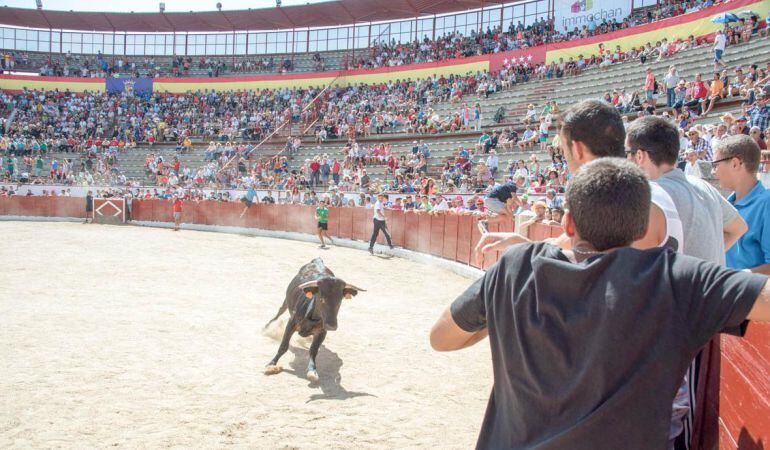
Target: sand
<point>144,338</point>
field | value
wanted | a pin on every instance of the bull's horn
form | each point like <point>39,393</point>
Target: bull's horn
<point>308,284</point>
<point>350,286</point>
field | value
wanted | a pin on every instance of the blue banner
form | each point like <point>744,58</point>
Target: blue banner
<point>140,87</point>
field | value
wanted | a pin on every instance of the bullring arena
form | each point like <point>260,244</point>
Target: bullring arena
<point>262,125</point>
<point>141,337</point>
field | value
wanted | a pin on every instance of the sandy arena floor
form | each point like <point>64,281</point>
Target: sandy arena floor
<point>137,337</point>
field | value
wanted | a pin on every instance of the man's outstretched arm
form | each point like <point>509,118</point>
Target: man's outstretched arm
<point>447,336</point>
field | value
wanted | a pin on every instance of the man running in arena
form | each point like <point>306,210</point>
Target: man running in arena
<point>379,223</point>
<point>322,216</point>
<point>248,199</point>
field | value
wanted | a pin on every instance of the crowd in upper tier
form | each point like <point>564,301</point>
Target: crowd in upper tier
<point>382,53</point>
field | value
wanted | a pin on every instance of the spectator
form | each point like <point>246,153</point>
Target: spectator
<point>700,145</point>
<point>759,112</point>
<point>716,89</point>
<point>650,84</point>
<point>692,166</point>
<point>710,224</point>
<point>735,166</point>
<point>671,80</point>
<point>720,42</point>
<point>631,408</point>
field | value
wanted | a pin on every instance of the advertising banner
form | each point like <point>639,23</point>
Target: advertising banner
<point>571,14</point>
<point>132,86</point>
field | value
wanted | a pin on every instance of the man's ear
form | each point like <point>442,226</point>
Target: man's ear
<point>568,223</point>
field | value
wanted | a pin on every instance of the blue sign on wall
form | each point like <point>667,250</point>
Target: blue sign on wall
<point>141,86</point>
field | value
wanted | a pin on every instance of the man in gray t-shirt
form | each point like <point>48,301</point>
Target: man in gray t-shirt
<point>708,218</point>
<point>710,224</point>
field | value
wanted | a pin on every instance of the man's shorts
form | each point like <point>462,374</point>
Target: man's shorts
<point>494,204</point>
<point>323,225</point>
<point>718,55</point>
<point>247,202</point>
<point>177,215</point>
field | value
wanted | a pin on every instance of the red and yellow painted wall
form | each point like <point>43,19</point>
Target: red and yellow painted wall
<point>697,24</point>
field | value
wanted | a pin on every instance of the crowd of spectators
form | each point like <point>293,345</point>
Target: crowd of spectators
<point>382,54</point>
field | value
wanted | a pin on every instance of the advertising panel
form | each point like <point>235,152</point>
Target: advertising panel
<point>571,14</point>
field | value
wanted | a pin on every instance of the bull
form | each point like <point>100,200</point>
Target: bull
<point>313,299</point>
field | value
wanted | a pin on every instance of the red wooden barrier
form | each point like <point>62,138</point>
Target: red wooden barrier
<point>437,234</point>
<point>744,394</point>
<point>396,222</point>
<point>24,206</point>
<point>307,222</point>
<point>465,244</point>
<point>411,227</point>
<point>39,206</point>
<point>475,236</point>
<point>361,225</point>
<point>449,248</point>
<point>256,217</point>
<point>190,212</point>
<point>423,232</point>
<point>345,223</point>
<point>279,220</point>
<point>556,230</point>
<point>492,257</point>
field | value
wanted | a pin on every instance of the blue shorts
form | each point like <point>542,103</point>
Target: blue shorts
<point>718,55</point>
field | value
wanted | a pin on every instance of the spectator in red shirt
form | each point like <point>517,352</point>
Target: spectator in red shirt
<point>649,84</point>
<point>177,207</point>
<point>315,172</point>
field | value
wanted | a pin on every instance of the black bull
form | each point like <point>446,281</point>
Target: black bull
<point>313,299</point>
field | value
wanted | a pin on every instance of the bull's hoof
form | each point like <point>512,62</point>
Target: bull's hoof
<point>273,369</point>
<point>312,375</point>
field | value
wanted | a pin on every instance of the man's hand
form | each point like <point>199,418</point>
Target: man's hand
<point>490,242</point>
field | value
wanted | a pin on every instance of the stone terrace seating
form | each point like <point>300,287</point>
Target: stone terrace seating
<point>594,82</point>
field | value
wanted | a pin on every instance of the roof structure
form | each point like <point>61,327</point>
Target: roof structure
<point>331,13</point>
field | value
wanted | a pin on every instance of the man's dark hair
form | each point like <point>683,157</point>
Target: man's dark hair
<point>656,136</point>
<point>609,199</point>
<point>596,124</point>
<point>742,147</point>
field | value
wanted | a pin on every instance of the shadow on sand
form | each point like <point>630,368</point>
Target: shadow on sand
<point>328,365</point>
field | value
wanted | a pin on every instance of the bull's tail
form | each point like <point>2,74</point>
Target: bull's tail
<point>281,310</point>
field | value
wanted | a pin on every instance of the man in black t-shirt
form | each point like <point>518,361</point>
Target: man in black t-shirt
<point>89,207</point>
<point>590,345</point>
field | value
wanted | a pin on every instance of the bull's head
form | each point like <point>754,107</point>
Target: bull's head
<point>326,296</point>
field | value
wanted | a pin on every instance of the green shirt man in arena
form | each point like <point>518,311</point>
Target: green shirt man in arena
<point>322,216</point>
